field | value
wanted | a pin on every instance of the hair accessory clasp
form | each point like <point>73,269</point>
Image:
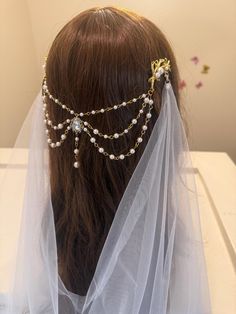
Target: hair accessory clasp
<point>158,68</point>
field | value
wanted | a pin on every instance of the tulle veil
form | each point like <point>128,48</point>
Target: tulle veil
<point>153,259</point>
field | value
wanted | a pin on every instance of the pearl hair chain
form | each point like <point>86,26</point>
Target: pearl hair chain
<point>78,125</point>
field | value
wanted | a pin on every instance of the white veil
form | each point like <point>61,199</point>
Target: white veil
<point>152,261</point>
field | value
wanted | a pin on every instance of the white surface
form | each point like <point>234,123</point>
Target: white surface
<point>216,183</point>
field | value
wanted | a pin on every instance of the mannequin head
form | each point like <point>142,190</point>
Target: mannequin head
<point>100,58</point>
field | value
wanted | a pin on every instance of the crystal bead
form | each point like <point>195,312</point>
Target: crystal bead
<point>76,125</point>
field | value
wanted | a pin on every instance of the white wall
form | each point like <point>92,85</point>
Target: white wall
<point>203,28</point>
<point>19,78</point>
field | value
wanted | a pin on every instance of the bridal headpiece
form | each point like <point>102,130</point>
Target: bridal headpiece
<point>78,124</point>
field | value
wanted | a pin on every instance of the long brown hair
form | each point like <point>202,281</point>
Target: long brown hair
<point>100,58</point>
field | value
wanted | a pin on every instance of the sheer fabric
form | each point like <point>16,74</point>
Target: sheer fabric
<point>152,261</point>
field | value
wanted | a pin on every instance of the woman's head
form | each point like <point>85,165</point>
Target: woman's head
<point>100,58</point>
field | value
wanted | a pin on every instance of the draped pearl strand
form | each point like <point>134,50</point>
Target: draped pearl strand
<point>77,124</point>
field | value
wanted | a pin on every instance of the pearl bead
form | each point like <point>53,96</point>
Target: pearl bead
<point>144,127</point>
<point>76,151</point>
<point>53,145</point>
<point>55,127</point>
<point>81,114</point>
<point>76,139</point>
<point>68,128</point>
<point>132,151</point>
<point>115,107</point>
<point>126,131</point>
<point>68,120</point>
<point>58,144</point>
<point>85,123</point>
<point>49,122</point>
<point>63,106</point>
<point>102,110</point>
<point>101,149</point>
<point>134,121</point>
<point>150,101</point>
<point>85,129</point>
<point>63,136</point>
<point>95,131</point>
<point>112,156</point>
<point>123,103</point>
<point>146,100</point>
<point>159,72</point>
<point>105,136</point>
<point>134,100</point>
<point>143,95</point>
<point>46,131</point>
<point>141,110</point>
<point>76,164</point>
<point>49,141</point>
<point>121,156</point>
<point>148,115</point>
<point>93,111</point>
<point>50,96</point>
<point>45,121</point>
<point>92,140</point>
<point>72,112</point>
<point>56,101</point>
<point>116,135</point>
<point>139,139</point>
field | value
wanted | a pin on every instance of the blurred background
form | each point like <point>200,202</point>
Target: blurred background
<point>201,33</point>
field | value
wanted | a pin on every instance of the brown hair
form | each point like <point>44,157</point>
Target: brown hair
<point>100,58</point>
